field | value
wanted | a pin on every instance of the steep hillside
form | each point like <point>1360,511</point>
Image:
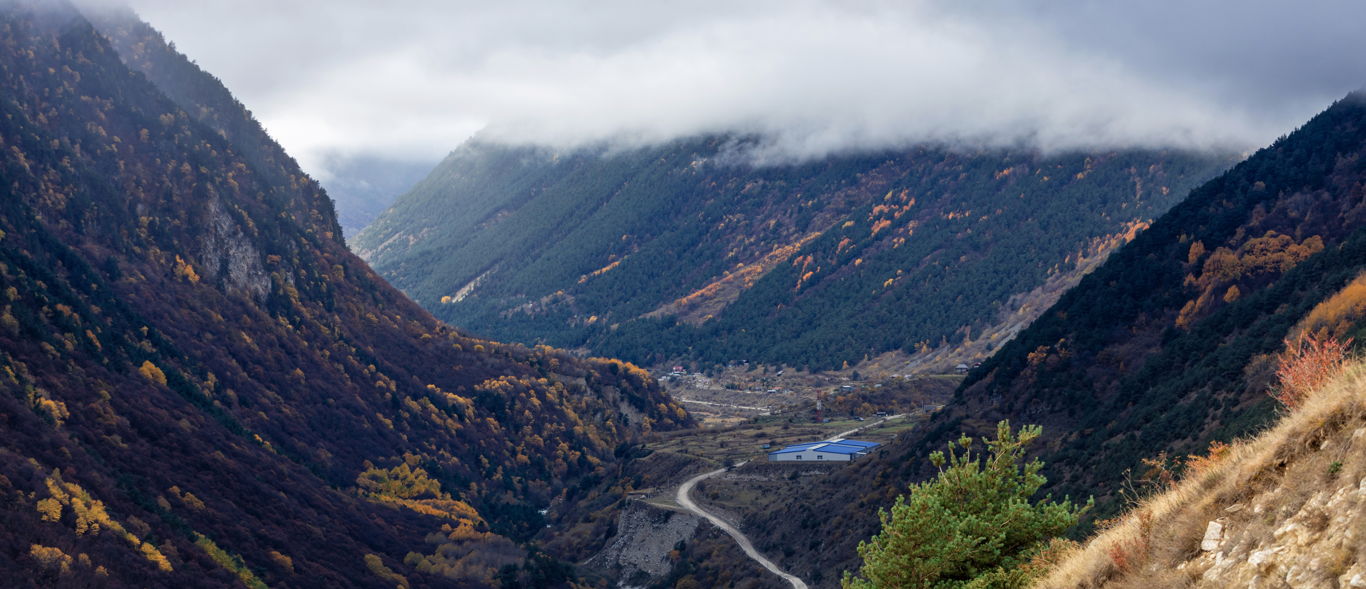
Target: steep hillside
<point>203,387</point>
<point>688,251</point>
<point>1168,345</point>
<point>1282,510</point>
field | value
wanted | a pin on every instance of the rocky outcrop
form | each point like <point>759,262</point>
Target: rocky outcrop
<point>646,535</point>
<point>1312,542</point>
<point>227,254</point>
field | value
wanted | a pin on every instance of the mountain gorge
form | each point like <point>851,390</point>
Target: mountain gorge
<point>692,250</point>
<point>203,387</point>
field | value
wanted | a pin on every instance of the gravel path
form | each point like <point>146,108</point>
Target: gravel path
<point>684,499</point>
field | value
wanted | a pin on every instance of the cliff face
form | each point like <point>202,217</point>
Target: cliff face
<point>200,384</point>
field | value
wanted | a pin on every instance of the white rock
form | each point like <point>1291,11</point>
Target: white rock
<point>1262,556</point>
<point>1302,576</point>
<point>1214,534</point>
<point>1216,570</point>
<point>1357,580</point>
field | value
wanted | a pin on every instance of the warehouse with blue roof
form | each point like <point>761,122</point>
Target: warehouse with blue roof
<point>837,450</point>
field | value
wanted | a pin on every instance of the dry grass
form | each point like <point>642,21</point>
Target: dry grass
<point>1253,487</point>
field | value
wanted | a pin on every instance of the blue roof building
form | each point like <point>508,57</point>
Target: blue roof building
<point>837,450</point>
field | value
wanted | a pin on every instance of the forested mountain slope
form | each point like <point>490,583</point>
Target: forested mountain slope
<point>201,386</point>
<point>1169,345</point>
<point>688,250</point>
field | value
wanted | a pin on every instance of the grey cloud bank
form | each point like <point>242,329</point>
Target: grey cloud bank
<point>411,80</point>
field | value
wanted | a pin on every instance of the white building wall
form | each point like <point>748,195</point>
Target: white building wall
<point>810,456</point>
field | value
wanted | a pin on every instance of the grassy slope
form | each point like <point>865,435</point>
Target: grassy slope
<point>1290,502</point>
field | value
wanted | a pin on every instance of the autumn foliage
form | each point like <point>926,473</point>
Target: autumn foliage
<point>1306,365</point>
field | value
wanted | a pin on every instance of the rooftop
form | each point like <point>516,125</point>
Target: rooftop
<point>838,446</point>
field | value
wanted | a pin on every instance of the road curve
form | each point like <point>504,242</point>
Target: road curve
<point>685,499</point>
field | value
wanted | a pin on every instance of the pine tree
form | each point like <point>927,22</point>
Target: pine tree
<point>972,526</point>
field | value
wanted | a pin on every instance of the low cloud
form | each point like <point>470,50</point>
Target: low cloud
<point>414,79</point>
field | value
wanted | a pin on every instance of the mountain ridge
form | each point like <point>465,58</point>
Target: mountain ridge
<point>203,386</point>
<point>667,253</point>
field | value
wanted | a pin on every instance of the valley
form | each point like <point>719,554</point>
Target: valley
<point>734,394</point>
<point>1074,325</point>
<point>1171,368</point>
<point>725,465</point>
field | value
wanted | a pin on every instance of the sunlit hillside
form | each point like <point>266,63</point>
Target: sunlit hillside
<point>1283,509</point>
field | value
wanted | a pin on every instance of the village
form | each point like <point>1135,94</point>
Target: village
<point>741,392</point>
<point>754,415</point>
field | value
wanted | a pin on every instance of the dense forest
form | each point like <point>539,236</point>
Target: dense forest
<point>201,386</point>
<point>689,251</point>
<point>1168,346</point>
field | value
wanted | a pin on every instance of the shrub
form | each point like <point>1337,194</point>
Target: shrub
<point>1306,365</point>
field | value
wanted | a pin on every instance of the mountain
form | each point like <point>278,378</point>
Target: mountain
<point>692,251</point>
<point>201,386</point>
<point>361,186</point>
<point>1168,346</point>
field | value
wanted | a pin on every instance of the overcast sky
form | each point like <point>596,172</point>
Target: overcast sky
<point>413,79</point>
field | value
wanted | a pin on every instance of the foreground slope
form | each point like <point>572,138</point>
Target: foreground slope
<point>689,250</point>
<point>202,386</point>
<point>1284,509</point>
<point>1166,346</point>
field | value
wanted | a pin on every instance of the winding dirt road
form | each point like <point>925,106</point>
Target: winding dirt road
<point>685,499</point>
